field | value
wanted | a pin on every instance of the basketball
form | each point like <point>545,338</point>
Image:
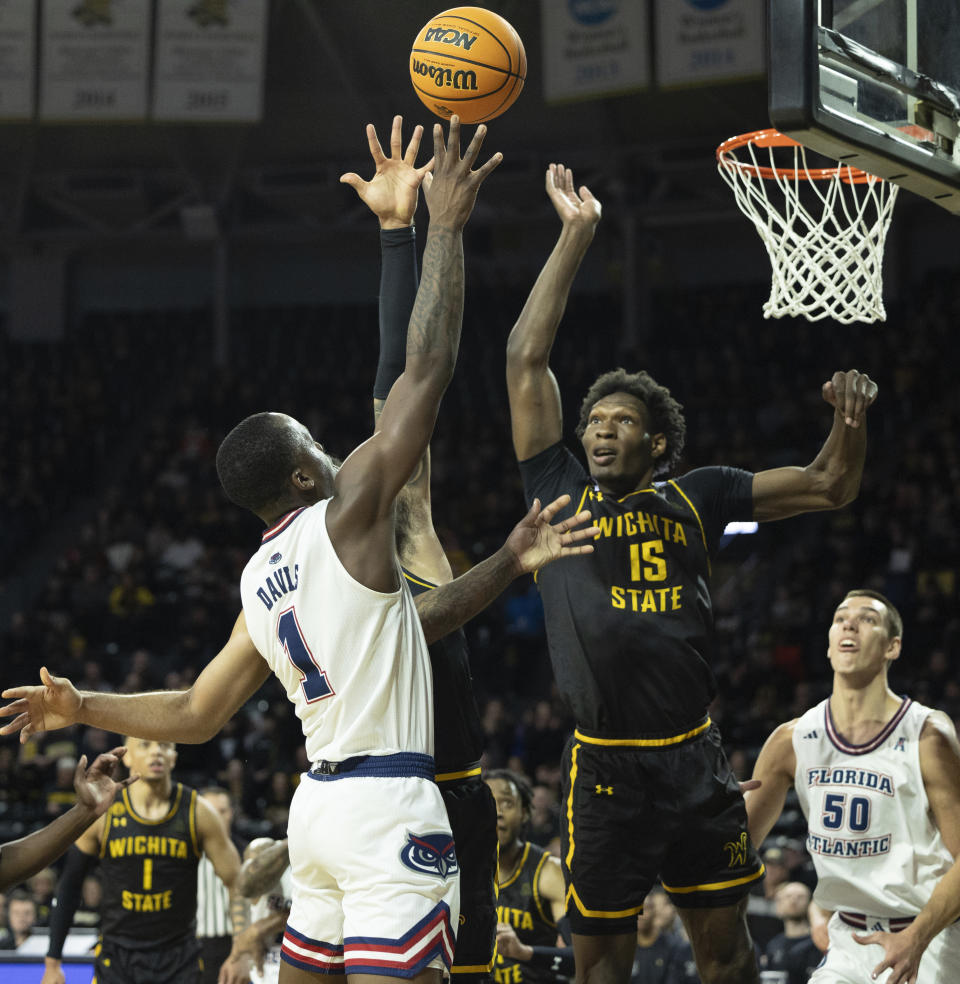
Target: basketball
<point>468,61</point>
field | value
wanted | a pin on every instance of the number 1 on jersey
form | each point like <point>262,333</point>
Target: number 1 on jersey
<point>312,678</point>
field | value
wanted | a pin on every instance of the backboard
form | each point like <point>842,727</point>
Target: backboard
<point>872,83</point>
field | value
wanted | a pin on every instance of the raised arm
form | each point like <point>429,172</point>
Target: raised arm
<point>96,790</point>
<point>832,479</point>
<point>360,517</point>
<point>533,543</point>
<point>940,769</point>
<point>264,861</point>
<point>775,768</point>
<point>535,409</point>
<point>392,197</point>
<point>193,716</point>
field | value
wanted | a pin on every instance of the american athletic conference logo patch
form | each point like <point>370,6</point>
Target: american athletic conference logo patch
<point>431,854</point>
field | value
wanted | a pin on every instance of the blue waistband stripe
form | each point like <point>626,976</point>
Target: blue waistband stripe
<point>401,765</point>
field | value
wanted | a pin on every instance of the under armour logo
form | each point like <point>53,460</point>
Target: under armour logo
<point>119,821</point>
<point>599,790</point>
<point>810,734</point>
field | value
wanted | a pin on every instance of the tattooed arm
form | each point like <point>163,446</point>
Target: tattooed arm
<point>360,516</point>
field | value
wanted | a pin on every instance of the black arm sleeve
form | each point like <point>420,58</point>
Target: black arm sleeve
<point>399,278</point>
<point>65,904</point>
<point>556,959</point>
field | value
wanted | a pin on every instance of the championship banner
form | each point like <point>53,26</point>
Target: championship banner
<point>594,48</point>
<point>93,60</point>
<point>208,61</point>
<point>709,40</point>
<point>17,43</point>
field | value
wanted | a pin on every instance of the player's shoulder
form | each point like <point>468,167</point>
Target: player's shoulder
<point>938,732</point>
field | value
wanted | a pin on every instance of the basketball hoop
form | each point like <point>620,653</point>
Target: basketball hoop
<point>824,266</point>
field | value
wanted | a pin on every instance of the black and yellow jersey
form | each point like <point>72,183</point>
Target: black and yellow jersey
<point>630,626</point>
<point>520,905</point>
<point>149,872</point>
<point>458,732</point>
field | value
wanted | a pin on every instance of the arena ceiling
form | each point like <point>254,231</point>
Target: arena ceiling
<point>331,66</point>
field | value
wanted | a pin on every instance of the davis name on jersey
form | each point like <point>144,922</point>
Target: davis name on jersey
<point>871,836</point>
<point>352,660</point>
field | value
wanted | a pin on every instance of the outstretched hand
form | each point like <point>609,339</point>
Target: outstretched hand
<point>451,190</point>
<point>391,194</point>
<point>902,953</point>
<point>851,393</point>
<point>96,788</point>
<point>579,210</point>
<point>536,543</point>
<point>54,704</point>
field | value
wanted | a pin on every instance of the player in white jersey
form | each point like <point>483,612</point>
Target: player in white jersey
<point>374,871</point>
<point>878,779</point>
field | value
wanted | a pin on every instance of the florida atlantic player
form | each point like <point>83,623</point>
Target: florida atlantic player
<point>648,790</point>
<point>878,779</point>
<point>325,607</point>
<point>391,195</point>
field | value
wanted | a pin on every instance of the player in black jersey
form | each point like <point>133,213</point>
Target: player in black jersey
<point>648,790</point>
<point>530,897</point>
<point>458,733</point>
<point>148,845</point>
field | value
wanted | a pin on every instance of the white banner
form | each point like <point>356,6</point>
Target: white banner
<point>709,40</point>
<point>18,24</point>
<point>594,48</point>
<point>93,60</point>
<point>208,62</point>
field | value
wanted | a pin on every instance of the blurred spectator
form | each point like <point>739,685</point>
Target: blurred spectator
<point>43,886</point>
<point>792,953</point>
<point>21,918</point>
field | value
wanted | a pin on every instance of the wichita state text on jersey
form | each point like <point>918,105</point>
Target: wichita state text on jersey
<point>150,872</point>
<point>630,626</point>
<point>458,732</point>
<point>520,905</point>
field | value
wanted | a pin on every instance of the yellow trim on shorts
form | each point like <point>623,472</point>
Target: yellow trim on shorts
<point>573,778</point>
<point>716,886</point>
<point>696,516</point>
<point>450,776</point>
<point>600,913</point>
<point>473,968</point>
<point>643,742</point>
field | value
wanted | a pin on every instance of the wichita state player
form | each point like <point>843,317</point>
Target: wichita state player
<point>458,733</point>
<point>530,897</point>
<point>647,787</point>
<point>148,845</point>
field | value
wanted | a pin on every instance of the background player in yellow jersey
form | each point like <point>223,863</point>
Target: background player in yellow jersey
<point>148,845</point>
<point>648,791</point>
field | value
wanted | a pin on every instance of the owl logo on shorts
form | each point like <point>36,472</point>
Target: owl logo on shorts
<point>431,854</point>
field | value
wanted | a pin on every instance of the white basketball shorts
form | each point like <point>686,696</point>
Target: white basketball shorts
<point>850,962</point>
<point>375,874</point>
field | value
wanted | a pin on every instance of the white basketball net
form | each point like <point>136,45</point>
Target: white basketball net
<point>826,260</point>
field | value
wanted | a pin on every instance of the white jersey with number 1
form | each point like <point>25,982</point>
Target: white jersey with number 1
<point>353,661</point>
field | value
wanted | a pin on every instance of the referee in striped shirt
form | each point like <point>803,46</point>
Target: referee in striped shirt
<point>214,925</point>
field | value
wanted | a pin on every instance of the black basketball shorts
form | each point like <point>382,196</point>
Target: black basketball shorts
<point>473,820</point>
<point>177,963</point>
<point>639,809</point>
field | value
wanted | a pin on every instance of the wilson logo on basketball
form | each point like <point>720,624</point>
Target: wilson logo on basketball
<point>462,80</point>
<point>447,35</point>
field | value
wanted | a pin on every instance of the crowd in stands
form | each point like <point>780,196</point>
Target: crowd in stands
<point>118,426</point>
